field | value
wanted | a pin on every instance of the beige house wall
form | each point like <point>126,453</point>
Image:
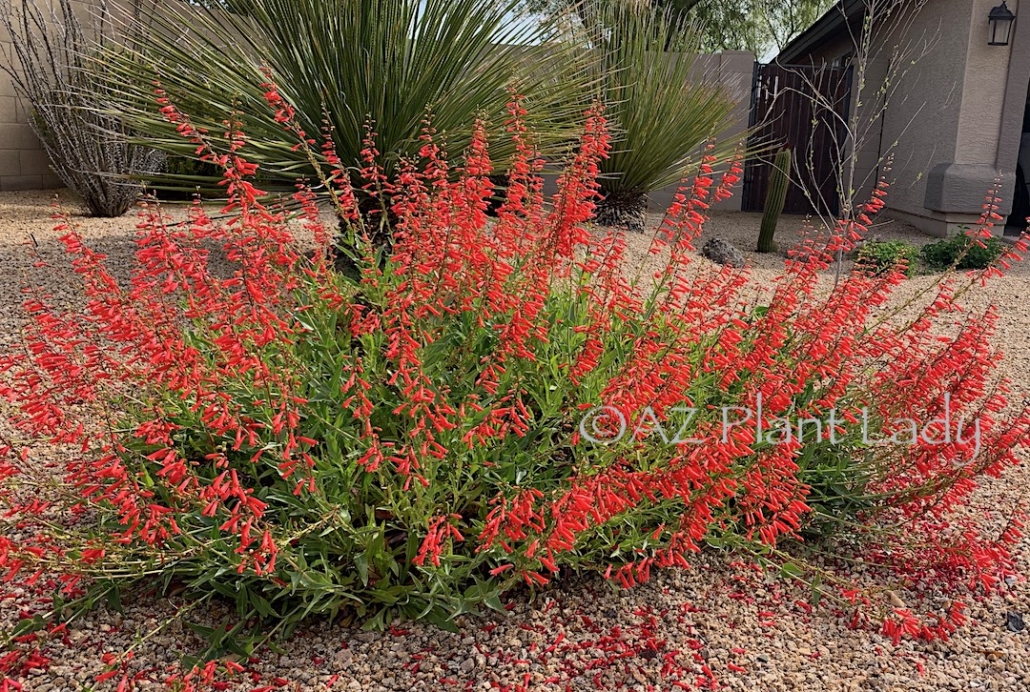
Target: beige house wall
<point>921,125</point>
<point>952,106</point>
<point>983,97</point>
<point>948,124</point>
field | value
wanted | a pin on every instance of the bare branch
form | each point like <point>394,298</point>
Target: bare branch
<point>47,61</point>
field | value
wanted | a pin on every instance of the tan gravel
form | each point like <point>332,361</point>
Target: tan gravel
<point>586,635</point>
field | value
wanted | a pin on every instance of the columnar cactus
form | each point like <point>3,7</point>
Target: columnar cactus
<point>779,181</point>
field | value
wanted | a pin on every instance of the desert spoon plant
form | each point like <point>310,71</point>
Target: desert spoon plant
<point>365,69</point>
<point>662,113</point>
<point>779,182</point>
<point>48,64</point>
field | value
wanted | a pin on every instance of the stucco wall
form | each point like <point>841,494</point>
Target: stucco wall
<point>947,118</point>
<point>947,125</point>
<point>921,125</point>
<point>1013,120</point>
<point>983,96</point>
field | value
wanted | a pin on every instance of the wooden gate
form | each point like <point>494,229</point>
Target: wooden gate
<point>806,109</point>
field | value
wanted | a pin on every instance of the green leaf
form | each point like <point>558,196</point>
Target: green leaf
<point>789,570</point>
<point>28,626</point>
<point>377,622</point>
<point>438,618</point>
<point>202,631</point>
<point>114,598</point>
<point>493,602</point>
<point>262,605</point>
<point>361,564</point>
<point>817,591</point>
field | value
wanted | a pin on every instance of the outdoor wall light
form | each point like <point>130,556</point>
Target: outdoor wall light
<point>1001,18</point>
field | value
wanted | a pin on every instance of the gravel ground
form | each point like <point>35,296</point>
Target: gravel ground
<point>748,633</point>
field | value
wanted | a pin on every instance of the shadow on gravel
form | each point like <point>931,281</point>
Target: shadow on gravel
<point>37,260</point>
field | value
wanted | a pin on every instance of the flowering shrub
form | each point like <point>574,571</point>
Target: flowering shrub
<point>497,401</point>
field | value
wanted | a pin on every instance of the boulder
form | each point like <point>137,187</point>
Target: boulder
<point>722,251</point>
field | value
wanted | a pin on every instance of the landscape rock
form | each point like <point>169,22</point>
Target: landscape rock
<point>722,251</point>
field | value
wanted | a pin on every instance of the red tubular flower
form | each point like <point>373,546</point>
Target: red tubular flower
<point>440,388</point>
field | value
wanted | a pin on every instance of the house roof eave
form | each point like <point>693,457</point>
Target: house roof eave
<point>832,24</point>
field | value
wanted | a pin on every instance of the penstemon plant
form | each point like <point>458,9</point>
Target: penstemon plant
<point>498,400</point>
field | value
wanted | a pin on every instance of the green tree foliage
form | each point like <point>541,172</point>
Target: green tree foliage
<point>760,26</point>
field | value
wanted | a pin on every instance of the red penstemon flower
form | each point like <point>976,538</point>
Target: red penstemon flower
<point>430,405</point>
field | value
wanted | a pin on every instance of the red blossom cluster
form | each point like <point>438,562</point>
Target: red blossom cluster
<point>256,419</point>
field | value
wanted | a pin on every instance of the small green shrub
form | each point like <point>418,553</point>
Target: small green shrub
<point>881,256</point>
<point>184,166</point>
<point>186,177</point>
<point>963,252</point>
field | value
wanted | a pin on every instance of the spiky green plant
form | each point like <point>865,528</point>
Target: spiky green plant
<point>345,63</point>
<point>776,198</point>
<point>661,108</point>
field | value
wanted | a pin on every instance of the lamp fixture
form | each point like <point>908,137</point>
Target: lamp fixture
<point>1001,19</point>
